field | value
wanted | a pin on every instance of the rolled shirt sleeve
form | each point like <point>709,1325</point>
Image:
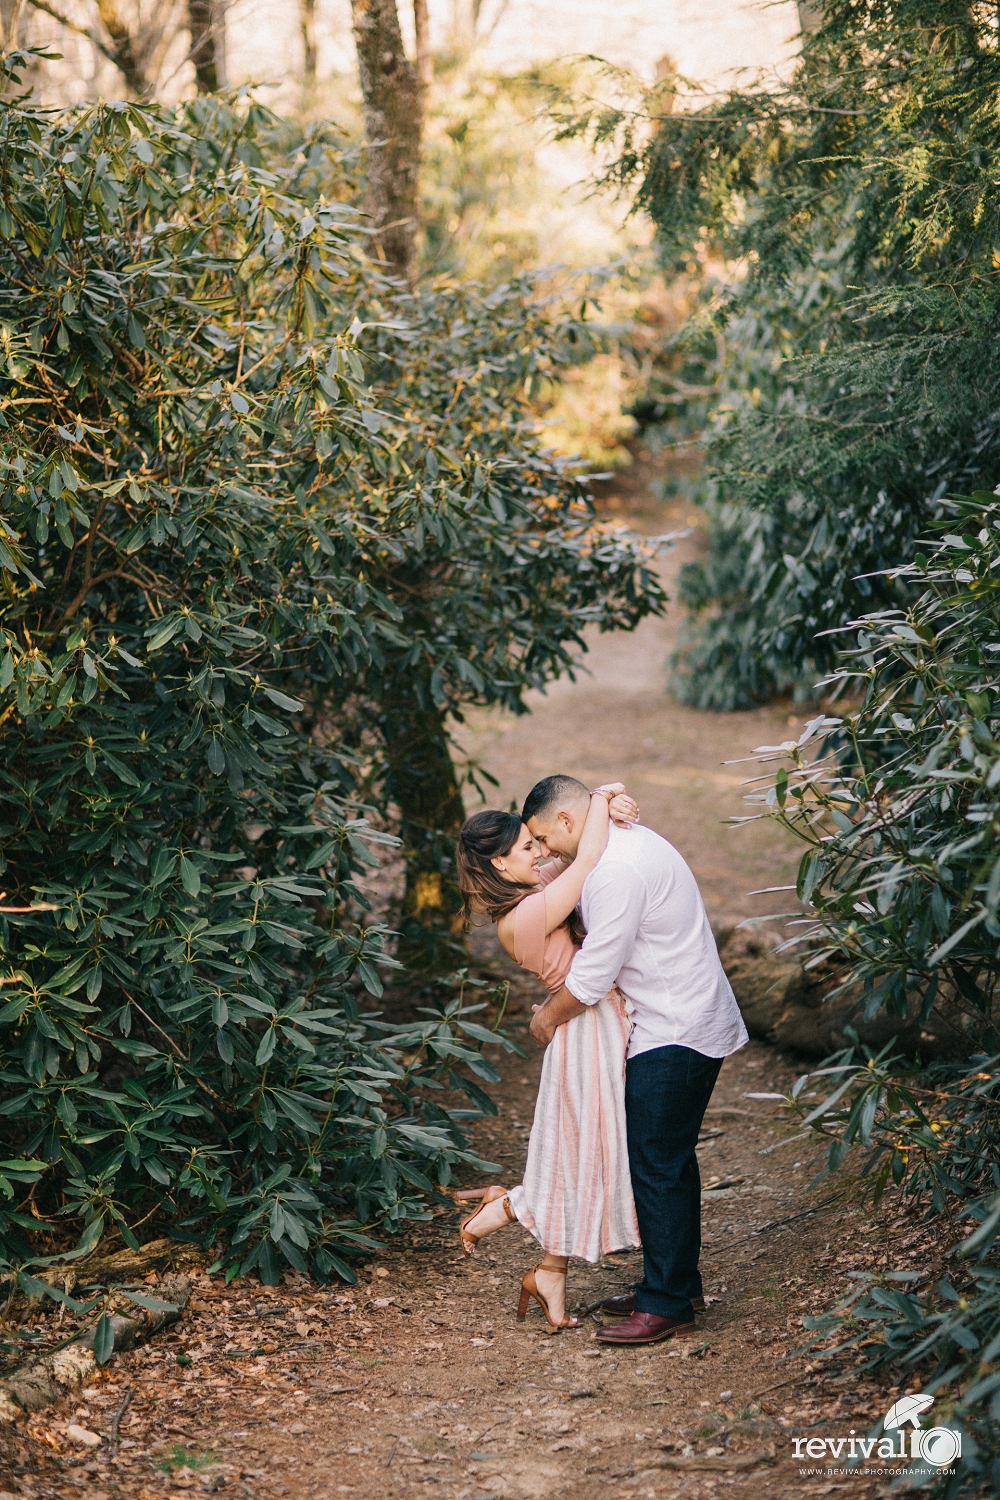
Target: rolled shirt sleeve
<point>614,901</point>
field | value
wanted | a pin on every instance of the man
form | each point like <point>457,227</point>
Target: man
<point>647,931</point>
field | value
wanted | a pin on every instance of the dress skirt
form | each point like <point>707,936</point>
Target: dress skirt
<point>576,1196</point>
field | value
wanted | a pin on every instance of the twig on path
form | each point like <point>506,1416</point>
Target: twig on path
<point>769,1388</point>
<point>126,1402</point>
<point>593,1306</point>
<point>490,1428</point>
<point>392,1453</point>
<point>776,1224</point>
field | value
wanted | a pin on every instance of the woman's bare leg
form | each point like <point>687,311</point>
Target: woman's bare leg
<point>550,1273</point>
<point>490,1218</point>
<point>550,1278</point>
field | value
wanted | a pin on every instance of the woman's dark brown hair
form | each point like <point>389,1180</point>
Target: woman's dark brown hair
<point>484,837</point>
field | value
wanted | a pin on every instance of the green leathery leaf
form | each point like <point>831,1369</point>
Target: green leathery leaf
<point>104,1339</point>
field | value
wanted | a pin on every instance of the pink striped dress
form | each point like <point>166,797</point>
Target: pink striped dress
<point>576,1196</point>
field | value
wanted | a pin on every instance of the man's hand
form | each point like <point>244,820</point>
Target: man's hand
<point>556,1011</point>
<point>543,1024</point>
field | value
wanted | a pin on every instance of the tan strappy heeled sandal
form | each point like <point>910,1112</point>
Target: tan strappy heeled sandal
<point>484,1195</point>
<point>529,1289</point>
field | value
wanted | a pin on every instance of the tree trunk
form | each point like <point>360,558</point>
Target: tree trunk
<point>391,97</point>
<point>201,24</point>
<point>123,47</point>
<point>422,31</point>
<point>10,15</point>
<point>666,79</point>
<point>422,784</point>
<point>810,14</point>
<point>307,29</point>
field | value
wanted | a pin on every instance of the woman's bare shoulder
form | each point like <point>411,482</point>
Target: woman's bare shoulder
<point>505,931</point>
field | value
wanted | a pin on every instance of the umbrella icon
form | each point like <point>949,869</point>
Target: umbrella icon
<point>906,1409</point>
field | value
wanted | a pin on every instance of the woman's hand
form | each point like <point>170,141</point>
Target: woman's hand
<point>623,809</point>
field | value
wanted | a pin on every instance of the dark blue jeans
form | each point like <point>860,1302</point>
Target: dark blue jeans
<point>666,1093</point>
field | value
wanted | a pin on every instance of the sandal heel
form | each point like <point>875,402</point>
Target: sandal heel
<point>529,1289</point>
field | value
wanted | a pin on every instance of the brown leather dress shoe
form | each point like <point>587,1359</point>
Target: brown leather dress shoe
<point>624,1305</point>
<point>645,1328</point>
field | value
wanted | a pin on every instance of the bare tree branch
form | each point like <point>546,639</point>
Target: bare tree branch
<point>138,55</point>
<point>78,30</point>
<point>154,37</point>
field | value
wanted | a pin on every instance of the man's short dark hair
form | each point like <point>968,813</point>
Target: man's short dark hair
<point>554,793</point>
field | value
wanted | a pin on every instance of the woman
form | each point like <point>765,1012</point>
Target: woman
<point>576,1196</point>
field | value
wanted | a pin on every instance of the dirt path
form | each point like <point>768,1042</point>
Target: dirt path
<point>418,1381</point>
<point>617,720</point>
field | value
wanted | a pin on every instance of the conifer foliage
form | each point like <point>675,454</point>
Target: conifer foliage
<point>253,490</point>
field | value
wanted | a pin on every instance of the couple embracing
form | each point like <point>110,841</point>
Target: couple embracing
<point>638,1020</point>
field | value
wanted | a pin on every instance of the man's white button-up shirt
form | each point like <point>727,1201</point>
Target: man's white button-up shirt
<point>648,932</point>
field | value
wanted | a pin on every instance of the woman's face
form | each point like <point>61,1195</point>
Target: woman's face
<point>520,866</point>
